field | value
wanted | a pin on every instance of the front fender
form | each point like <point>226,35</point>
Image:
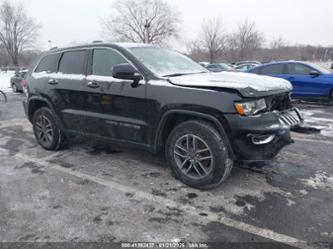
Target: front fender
<point>195,114</point>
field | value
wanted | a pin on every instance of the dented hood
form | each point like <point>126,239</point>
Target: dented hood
<point>248,85</point>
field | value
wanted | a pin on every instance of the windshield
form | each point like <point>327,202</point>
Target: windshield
<point>320,69</point>
<point>227,67</point>
<point>165,62</point>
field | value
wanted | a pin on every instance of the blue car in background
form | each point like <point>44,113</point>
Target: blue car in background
<point>308,80</point>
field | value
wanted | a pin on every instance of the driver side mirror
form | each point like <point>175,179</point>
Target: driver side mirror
<point>314,73</point>
<point>126,72</point>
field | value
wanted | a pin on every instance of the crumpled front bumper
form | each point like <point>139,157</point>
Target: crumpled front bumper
<point>261,137</point>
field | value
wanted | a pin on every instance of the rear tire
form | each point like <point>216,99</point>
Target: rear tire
<point>47,132</point>
<point>197,155</point>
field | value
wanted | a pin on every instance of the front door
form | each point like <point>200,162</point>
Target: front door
<point>115,109</point>
<point>304,84</point>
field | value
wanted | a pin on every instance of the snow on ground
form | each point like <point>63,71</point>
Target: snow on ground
<point>314,118</point>
<point>321,180</point>
<point>5,80</point>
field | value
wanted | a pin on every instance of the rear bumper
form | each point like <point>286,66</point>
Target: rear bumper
<point>261,137</point>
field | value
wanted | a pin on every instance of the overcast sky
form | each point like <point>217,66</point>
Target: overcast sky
<point>298,21</point>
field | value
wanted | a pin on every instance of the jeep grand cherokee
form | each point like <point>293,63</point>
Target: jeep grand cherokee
<point>161,101</point>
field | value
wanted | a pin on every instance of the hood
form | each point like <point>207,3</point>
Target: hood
<point>248,85</point>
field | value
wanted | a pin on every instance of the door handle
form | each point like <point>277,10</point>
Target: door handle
<point>53,82</point>
<point>93,84</point>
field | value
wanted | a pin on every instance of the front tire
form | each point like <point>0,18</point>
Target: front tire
<point>47,132</point>
<point>197,155</point>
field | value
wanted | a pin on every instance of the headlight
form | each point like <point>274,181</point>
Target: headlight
<point>251,107</point>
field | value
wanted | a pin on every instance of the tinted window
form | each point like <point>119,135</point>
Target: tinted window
<point>299,69</point>
<point>48,64</point>
<point>255,70</point>
<point>272,69</point>
<point>72,62</point>
<point>104,60</point>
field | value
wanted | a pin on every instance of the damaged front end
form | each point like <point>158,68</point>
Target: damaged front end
<point>261,136</point>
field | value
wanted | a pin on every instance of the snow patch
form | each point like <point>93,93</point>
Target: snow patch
<point>5,80</point>
<point>303,192</point>
<point>41,75</point>
<point>290,203</point>
<point>234,81</point>
<point>321,180</point>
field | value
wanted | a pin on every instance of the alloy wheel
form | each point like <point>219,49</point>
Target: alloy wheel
<point>193,156</point>
<point>44,130</point>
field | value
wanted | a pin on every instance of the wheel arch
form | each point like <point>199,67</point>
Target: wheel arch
<point>172,118</point>
<point>38,102</point>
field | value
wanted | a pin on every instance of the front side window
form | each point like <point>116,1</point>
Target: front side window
<point>104,60</point>
<point>165,62</point>
<point>48,64</point>
<point>272,69</point>
<point>299,69</point>
<point>72,62</point>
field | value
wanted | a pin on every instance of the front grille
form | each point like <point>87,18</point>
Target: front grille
<point>289,119</point>
<point>279,102</point>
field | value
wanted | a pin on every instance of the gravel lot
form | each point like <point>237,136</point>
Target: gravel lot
<point>92,192</point>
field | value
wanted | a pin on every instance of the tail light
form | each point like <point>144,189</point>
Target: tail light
<point>24,83</point>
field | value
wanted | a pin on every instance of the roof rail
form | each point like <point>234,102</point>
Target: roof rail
<point>53,48</point>
<point>97,41</point>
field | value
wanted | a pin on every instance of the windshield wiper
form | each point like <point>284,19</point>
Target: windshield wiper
<point>182,74</point>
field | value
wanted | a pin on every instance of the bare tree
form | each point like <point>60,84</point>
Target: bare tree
<point>4,58</point>
<point>278,42</point>
<point>146,21</point>
<point>17,30</point>
<point>212,39</point>
<point>245,40</point>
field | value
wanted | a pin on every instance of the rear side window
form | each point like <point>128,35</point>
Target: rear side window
<point>295,68</point>
<point>48,64</point>
<point>72,62</point>
<point>104,60</point>
<point>272,69</point>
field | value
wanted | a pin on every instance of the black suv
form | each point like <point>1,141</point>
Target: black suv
<point>161,101</point>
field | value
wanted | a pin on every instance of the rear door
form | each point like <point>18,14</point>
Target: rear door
<point>115,109</point>
<point>65,88</point>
